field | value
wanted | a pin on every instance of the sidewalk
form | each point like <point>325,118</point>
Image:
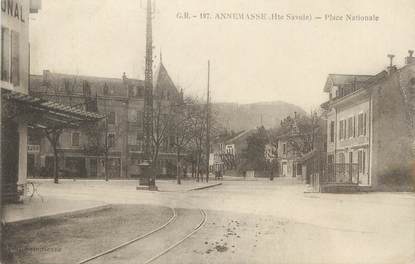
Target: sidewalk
<point>185,186</point>
<point>124,184</point>
<point>36,209</point>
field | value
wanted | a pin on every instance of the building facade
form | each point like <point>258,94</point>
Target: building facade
<point>117,142</point>
<point>370,128</point>
<point>19,111</point>
<point>14,77</point>
<point>227,151</point>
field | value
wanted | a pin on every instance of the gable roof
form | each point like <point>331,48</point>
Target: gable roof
<point>163,82</point>
<point>240,135</point>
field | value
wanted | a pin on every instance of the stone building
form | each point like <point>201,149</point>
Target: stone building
<point>119,139</point>
<point>370,129</point>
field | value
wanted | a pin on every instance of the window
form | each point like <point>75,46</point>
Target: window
<point>132,140</point>
<point>364,162</point>
<point>86,88</point>
<point>364,124</point>
<point>105,89</point>
<point>10,56</point>
<point>350,127</point>
<point>132,115</point>
<point>111,118</point>
<point>330,159</point>
<point>139,92</point>
<point>360,161</point>
<point>15,66</point>
<point>332,131</point>
<point>284,148</point>
<point>75,139</point>
<point>361,124</point>
<point>344,129</point>
<point>111,140</point>
<point>299,169</point>
<point>341,135</point>
<point>354,126</point>
<point>5,54</point>
<point>140,118</point>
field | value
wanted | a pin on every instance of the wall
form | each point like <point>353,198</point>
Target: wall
<point>16,24</point>
<point>391,150</point>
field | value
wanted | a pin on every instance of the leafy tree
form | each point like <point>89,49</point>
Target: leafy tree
<point>254,152</point>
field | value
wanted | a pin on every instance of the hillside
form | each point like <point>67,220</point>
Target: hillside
<point>237,117</point>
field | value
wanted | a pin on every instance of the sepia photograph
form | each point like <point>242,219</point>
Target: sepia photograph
<point>221,131</point>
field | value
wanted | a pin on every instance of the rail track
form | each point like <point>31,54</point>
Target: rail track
<point>147,235</point>
<point>202,223</point>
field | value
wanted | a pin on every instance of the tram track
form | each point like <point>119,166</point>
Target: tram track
<point>173,218</point>
<point>164,239</point>
<point>202,223</point>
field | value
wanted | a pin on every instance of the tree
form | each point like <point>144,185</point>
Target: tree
<point>183,131</point>
<point>103,136</point>
<point>53,135</point>
<point>254,152</point>
<point>301,132</point>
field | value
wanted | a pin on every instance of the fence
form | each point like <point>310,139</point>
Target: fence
<point>346,173</point>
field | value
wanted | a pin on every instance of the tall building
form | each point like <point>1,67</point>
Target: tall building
<point>120,138</point>
<point>370,128</point>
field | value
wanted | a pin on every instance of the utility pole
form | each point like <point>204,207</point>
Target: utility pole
<point>146,165</point>
<point>208,124</point>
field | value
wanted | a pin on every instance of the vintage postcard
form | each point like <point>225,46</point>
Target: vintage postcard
<point>190,131</point>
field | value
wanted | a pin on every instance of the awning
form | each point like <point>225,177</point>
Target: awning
<point>47,114</point>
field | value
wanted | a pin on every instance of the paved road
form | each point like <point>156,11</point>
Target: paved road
<point>276,222</point>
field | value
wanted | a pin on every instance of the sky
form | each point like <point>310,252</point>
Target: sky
<point>251,61</point>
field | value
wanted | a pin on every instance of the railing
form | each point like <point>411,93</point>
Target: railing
<point>228,160</point>
<point>341,173</point>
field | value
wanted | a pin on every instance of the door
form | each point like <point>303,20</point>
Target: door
<point>31,170</point>
<point>352,179</point>
<point>93,168</point>
<point>284,169</point>
<point>114,168</point>
<point>75,167</point>
<point>363,171</point>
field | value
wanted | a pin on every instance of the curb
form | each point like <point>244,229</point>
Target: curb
<point>64,214</point>
<point>205,187</point>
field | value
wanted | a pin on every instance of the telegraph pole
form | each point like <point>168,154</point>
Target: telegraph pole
<point>148,102</point>
<point>208,124</point>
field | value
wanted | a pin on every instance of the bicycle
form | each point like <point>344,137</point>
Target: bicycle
<point>32,190</point>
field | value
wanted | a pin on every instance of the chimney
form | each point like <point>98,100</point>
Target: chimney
<point>410,59</point>
<point>391,67</point>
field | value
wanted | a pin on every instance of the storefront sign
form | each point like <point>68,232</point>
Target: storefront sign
<point>13,9</point>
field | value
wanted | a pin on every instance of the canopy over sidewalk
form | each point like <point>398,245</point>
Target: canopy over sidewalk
<point>47,114</point>
<point>19,111</point>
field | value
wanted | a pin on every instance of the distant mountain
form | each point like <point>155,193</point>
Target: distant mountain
<point>236,117</point>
